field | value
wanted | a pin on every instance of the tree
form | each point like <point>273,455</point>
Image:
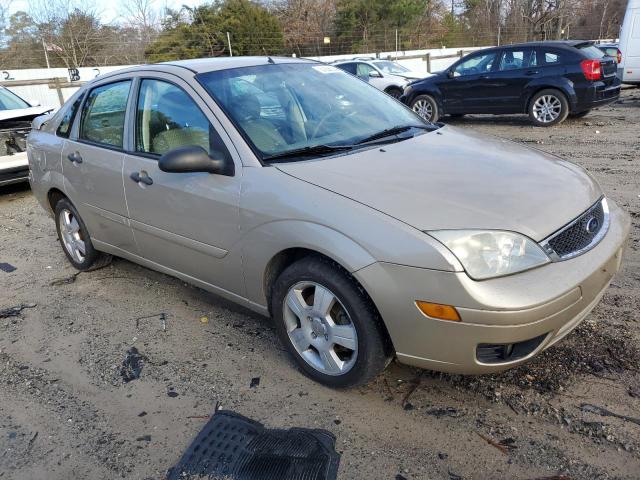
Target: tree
<point>202,32</point>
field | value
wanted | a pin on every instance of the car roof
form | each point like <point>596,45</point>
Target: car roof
<point>548,43</point>
<point>202,65</point>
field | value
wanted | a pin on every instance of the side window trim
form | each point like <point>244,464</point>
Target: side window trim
<point>133,110</point>
<point>75,136</point>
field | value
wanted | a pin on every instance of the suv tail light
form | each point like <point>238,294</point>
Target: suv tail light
<point>619,56</point>
<point>591,68</point>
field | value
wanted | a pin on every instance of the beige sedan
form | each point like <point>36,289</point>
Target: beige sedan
<point>305,194</point>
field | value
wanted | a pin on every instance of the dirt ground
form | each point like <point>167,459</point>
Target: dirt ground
<point>66,413</point>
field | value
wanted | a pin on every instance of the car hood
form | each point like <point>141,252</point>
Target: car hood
<point>450,179</point>
<point>19,113</point>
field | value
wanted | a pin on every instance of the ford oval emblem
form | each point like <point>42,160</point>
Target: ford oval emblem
<point>592,225</point>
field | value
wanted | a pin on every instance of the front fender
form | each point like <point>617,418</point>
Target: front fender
<point>264,242</point>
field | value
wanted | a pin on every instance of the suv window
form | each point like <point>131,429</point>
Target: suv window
<point>103,114</point>
<point>363,70</point>
<point>513,60</point>
<point>168,118</point>
<point>64,129</point>
<point>477,64</point>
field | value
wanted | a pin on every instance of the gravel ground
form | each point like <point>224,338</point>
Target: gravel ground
<point>67,413</point>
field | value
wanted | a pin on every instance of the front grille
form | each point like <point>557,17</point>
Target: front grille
<point>581,234</point>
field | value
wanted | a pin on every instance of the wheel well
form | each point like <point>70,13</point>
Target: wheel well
<point>287,257</point>
<point>392,87</point>
<point>54,196</point>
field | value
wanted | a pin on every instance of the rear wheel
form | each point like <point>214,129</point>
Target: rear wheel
<point>548,107</point>
<point>580,114</point>
<point>426,107</point>
<point>328,323</point>
<point>75,240</point>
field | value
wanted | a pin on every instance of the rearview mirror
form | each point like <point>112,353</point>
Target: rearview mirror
<point>193,158</point>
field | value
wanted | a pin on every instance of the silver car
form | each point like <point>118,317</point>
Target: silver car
<point>290,187</point>
<point>385,75</point>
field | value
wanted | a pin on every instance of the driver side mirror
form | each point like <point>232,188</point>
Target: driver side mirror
<point>194,158</point>
<point>451,73</point>
<point>375,74</point>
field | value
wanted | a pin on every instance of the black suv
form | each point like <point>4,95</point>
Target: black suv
<point>547,80</point>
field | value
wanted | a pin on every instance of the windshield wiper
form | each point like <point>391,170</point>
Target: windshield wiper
<point>306,151</point>
<point>389,132</point>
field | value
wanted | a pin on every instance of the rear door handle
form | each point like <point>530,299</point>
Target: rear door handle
<point>531,72</point>
<point>141,177</point>
<point>74,157</point>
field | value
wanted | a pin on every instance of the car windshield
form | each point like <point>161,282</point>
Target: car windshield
<point>307,109</point>
<point>391,67</point>
<point>10,101</point>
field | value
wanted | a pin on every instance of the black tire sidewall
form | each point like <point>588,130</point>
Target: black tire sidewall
<point>391,90</point>
<point>434,106</point>
<point>372,345</point>
<point>564,112</point>
<point>91,254</point>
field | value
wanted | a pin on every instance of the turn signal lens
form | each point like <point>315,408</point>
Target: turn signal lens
<point>436,310</point>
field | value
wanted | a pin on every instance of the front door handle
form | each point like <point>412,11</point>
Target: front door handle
<point>141,177</point>
<point>531,72</point>
<point>74,157</point>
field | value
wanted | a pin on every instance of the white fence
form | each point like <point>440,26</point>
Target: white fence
<point>53,86</point>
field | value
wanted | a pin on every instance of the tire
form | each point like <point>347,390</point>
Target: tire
<point>426,107</point>
<point>580,114</point>
<point>362,349</point>
<point>72,234</point>
<point>548,107</point>
<point>394,92</point>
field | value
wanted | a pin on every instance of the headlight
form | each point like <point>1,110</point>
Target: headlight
<point>488,253</point>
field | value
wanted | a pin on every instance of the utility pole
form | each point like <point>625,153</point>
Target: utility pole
<point>46,55</point>
<point>396,44</point>
<point>229,42</point>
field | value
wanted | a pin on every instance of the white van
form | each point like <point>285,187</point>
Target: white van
<point>629,67</point>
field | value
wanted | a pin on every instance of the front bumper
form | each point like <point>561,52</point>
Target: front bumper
<point>14,168</point>
<point>546,302</point>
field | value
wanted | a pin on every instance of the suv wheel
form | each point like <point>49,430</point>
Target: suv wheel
<point>75,240</point>
<point>548,107</point>
<point>328,323</point>
<point>426,107</point>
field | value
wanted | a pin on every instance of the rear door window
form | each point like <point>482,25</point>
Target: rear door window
<point>513,60</point>
<point>541,57</point>
<point>103,114</point>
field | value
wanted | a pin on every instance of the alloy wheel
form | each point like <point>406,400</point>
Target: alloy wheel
<point>423,108</point>
<point>320,328</point>
<point>71,235</point>
<point>547,108</point>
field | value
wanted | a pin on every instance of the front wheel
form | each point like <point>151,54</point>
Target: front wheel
<point>426,107</point>
<point>394,92</point>
<point>548,107</point>
<point>328,324</point>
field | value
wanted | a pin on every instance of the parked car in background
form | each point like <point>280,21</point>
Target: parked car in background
<point>364,231</point>
<point>16,116</point>
<point>629,64</point>
<point>611,49</point>
<point>385,75</point>
<point>547,80</point>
